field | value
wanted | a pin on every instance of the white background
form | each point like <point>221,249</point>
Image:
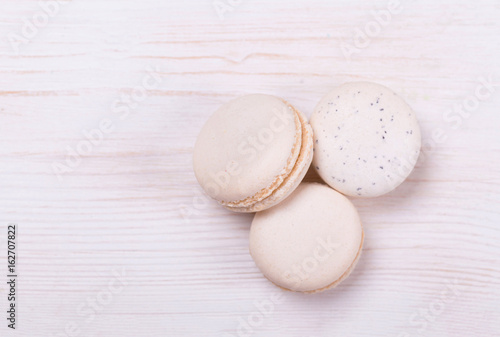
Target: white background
<point>131,203</point>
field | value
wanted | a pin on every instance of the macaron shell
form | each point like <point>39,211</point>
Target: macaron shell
<point>294,178</point>
<point>247,146</point>
<point>285,172</point>
<point>367,139</point>
<point>309,241</point>
<point>347,272</point>
<point>343,277</point>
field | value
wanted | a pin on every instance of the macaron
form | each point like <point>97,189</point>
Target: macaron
<point>367,139</point>
<point>308,243</point>
<point>253,152</point>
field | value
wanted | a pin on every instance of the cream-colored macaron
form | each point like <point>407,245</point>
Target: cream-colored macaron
<point>253,152</point>
<point>308,243</point>
<point>367,139</point>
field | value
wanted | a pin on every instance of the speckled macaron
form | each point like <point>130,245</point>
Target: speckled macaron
<point>308,243</point>
<point>253,152</point>
<point>366,139</point>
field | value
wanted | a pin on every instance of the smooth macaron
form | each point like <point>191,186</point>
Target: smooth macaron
<point>308,243</point>
<point>253,152</point>
<point>367,139</point>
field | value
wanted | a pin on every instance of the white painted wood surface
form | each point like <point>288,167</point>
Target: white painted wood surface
<point>133,206</point>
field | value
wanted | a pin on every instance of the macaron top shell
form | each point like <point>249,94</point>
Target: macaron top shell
<point>309,241</point>
<point>246,146</point>
<point>295,176</point>
<point>367,139</point>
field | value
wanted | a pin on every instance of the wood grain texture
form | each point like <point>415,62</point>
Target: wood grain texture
<point>133,206</point>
